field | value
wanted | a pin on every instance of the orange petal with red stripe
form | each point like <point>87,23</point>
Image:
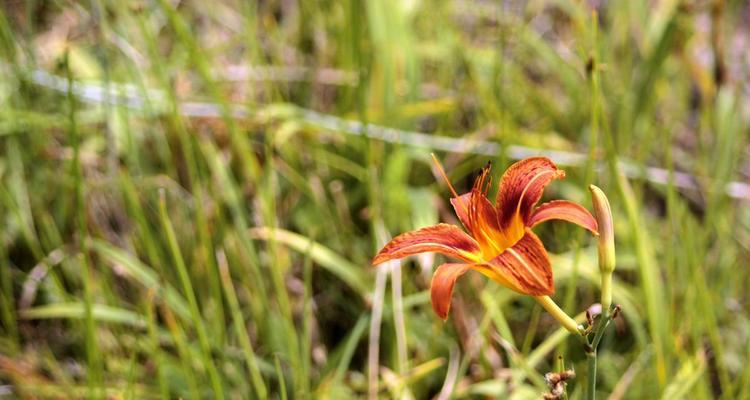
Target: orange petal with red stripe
<point>525,267</point>
<point>566,211</point>
<point>475,211</point>
<point>522,186</point>
<point>441,289</point>
<point>445,239</point>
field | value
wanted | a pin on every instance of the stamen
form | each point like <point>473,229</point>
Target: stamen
<point>445,177</point>
<point>483,181</point>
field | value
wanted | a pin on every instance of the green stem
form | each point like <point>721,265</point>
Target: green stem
<point>603,323</point>
<point>606,292</point>
<point>591,382</point>
<point>591,353</point>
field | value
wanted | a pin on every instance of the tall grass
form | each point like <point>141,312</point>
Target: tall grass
<point>191,194</point>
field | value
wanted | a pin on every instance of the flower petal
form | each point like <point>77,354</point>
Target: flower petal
<point>564,210</point>
<point>521,188</point>
<point>524,267</point>
<point>441,289</point>
<point>461,207</point>
<point>474,209</point>
<point>441,238</point>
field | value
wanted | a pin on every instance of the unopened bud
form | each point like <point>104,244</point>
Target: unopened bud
<point>603,215</point>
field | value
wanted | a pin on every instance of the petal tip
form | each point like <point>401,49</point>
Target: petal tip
<point>440,311</point>
<point>441,287</point>
<point>443,316</point>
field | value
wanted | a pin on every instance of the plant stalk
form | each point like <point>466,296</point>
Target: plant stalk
<point>591,353</point>
<point>606,292</point>
<point>591,379</point>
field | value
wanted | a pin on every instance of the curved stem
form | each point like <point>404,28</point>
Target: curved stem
<point>563,318</point>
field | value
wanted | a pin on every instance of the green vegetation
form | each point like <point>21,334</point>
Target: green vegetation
<point>191,194</point>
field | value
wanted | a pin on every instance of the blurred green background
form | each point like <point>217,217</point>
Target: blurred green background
<point>191,193</point>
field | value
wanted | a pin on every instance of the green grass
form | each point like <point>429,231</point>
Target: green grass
<point>174,227</point>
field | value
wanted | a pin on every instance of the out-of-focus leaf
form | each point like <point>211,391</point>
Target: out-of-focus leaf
<point>686,377</point>
<point>144,275</point>
<point>348,272</point>
<point>100,312</point>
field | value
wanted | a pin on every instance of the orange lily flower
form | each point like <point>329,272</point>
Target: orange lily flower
<point>500,243</point>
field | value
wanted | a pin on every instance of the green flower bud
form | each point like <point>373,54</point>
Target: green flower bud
<point>603,215</point>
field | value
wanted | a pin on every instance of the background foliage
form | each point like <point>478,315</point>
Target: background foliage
<point>191,193</point>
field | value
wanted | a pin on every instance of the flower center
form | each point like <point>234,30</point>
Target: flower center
<point>494,242</point>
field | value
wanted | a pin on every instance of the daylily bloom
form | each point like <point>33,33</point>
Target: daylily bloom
<point>499,243</point>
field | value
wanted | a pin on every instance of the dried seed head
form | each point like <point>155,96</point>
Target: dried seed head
<point>556,382</point>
